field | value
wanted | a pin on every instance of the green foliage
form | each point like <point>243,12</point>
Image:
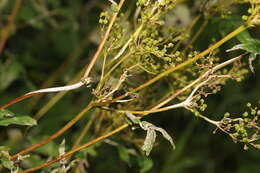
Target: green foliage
<point>250,45</point>
<point>9,71</point>
<point>158,56</point>
<point>8,118</point>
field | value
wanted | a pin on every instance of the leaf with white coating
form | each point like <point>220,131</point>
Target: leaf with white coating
<point>149,141</point>
<point>166,136</point>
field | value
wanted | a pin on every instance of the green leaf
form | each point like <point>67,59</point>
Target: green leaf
<point>2,148</point>
<point>5,113</point>
<point>123,154</point>
<point>19,120</point>
<point>251,45</point>
<point>243,36</point>
<point>114,8</point>
<point>9,71</point>
<point>145,164</point>
<point>7,163</point>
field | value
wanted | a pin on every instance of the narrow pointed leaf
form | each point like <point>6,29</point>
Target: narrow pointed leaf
<point>251,45</point>
<point>19,120</point>
<point>166,136</point>
<point>149,141</point>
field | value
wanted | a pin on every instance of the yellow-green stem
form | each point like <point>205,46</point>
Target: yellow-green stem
<point>207,51</point>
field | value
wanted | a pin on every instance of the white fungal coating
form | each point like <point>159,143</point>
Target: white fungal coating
<point>58,89</point>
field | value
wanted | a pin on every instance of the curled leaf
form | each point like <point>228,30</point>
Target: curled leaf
<point>166,136</point>
<point>149,141</point>
<point>151,136</point>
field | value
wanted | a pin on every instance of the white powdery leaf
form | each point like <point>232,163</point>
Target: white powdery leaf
<point>166,136</point>
<point>149,141</point>
<point>62,147</point>
<point>61,152</point>
<point>252,57</point>
<point>237,47</point>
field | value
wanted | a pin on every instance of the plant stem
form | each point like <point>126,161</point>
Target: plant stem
<point>56,134</point>
<point>54,99</point>
<point>90,65</point>
<point>122,127</point>
<point>173,96</point>
<point>5,32</point>
<point>100,84</point>
<point>207,51</point>
<point>77,149</point>
<point>101,45</point>
<point>61,69</point>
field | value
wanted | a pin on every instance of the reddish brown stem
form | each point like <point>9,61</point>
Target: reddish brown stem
<point>17,100</point>
<point>55,135</point>
<point>5,32</point>
<point>76,149</point>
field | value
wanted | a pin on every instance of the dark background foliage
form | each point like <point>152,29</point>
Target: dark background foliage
<point>51,33</point>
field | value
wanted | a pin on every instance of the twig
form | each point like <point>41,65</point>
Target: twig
<point>48,90</point>
<point>207,51</point>
<point>5,32</point>
<point>76,149</point>
<point>55,135</point>
<point>101,45</point>
<point>197,80</point>
<point>122,127</point>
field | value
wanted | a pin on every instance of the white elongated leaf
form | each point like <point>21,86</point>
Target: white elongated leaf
<point>61,152</point>
<point>166,136</point>
<point>252,57</point>
<point>62,147</point>
<point>149,141</point>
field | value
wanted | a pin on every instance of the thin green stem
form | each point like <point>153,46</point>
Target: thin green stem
<point>102,44</point>
<point>202,54</point>
<point>124,126</point>
<point>112,69</point>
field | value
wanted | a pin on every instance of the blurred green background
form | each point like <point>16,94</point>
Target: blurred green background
<point>59,37</point>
